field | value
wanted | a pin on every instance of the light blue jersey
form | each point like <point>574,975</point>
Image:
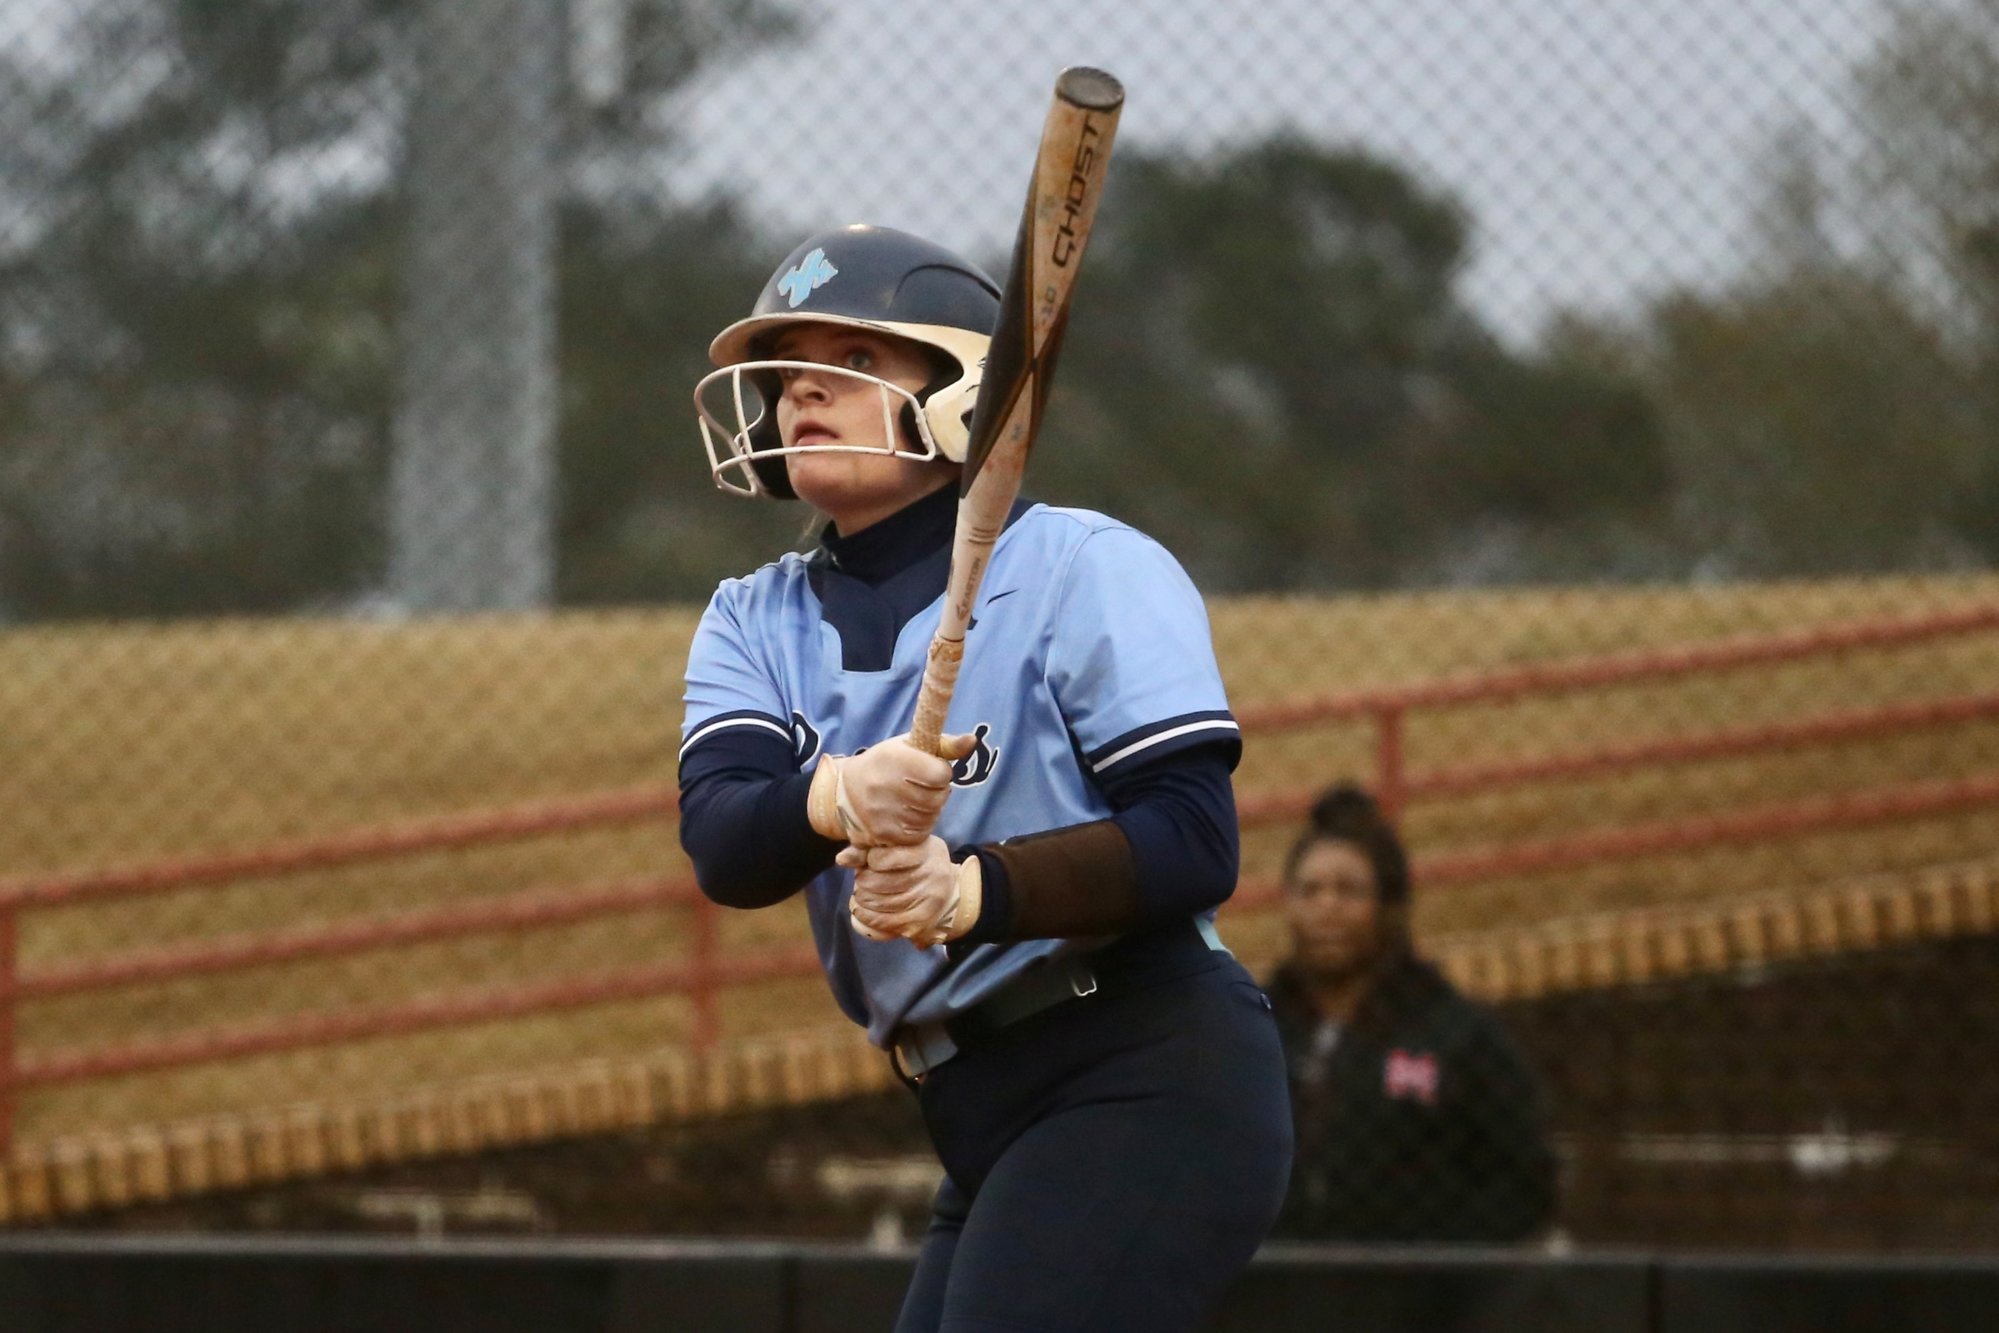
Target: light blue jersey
<point>1089,650</point>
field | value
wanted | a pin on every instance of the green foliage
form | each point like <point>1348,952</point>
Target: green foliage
<point>195,417</point>
<point>641,297</point>
<point>1829,411</point>
<point>1818,426</point>
<point>199,298</point>
<point>1275,331</point>
<point>1271,368</point>
<point>1930,95</point>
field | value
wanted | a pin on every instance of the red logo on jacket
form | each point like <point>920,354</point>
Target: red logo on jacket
<point>1411,1075</point>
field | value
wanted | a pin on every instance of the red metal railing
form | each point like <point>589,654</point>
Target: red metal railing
<point>703,973</point>
<point>701,976</point>
<point>374,843</point>
<point>1386,708</point>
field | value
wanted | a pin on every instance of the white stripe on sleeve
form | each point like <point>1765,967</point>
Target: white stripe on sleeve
<point>706,730</point>
<point>1160,737</point>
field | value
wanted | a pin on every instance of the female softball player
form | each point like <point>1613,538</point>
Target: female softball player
<point>1102,1081</point>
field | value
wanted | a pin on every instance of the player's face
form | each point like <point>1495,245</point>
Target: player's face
<point>1333,907</point>
<point>836,406</point>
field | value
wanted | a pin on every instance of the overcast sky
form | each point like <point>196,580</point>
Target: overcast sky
<point>1603,147</point>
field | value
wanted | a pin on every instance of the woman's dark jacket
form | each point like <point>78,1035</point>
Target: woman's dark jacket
<point>1418,1122</point>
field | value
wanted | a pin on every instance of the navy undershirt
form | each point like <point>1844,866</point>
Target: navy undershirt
<point>742,798</point>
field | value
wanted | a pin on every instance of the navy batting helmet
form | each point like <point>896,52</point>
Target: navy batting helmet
<point>864,277</point>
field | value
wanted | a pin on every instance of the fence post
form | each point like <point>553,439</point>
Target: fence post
<point>1388,775</point>
<point>9,916</point>
<point>705,951</point>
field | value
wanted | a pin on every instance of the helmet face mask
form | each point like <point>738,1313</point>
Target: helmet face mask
<point>871,278</point>
<point>737,407</point>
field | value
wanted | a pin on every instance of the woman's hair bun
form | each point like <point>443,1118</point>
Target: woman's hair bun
<point>1341,806</point>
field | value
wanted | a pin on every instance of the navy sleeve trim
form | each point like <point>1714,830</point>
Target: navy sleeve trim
<point>742,751</point>
<point>1160,738</point>
<point>728,721</point>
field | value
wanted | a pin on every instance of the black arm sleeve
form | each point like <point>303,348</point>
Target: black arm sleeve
<point>1178,813</point>
<point>742,820</point>
<point>1170,850</point>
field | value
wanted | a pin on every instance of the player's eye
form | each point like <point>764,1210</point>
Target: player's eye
<point>858,358</point>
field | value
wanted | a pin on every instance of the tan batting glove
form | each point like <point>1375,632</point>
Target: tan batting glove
<point>914,893</point>
<point>888,793</point>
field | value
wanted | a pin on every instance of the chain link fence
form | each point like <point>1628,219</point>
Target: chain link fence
<point>1578,415</point>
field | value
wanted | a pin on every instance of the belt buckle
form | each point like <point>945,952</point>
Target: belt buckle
<point>924,1048</point>
<point>1082,982</point>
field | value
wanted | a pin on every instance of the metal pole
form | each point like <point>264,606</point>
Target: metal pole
<point>1389,778</point>
<point>472,501</point>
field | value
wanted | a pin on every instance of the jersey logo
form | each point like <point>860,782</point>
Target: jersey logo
<point>973,623</point>
<point>813,272</point>
<point>977,766</point>
<point>1411,1076</point>
<point>805,740</point>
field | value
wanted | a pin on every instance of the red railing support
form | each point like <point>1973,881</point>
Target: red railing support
<point>9,966</point>
<point>1390,782</point>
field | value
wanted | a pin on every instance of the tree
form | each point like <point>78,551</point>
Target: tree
<point>1818,428</point>
<point>198,279</point>
<point>187,351</point>
<point>1826,410</point>
<point>1275,333</point>
<point>1930,188</point>
<point>642,295</point>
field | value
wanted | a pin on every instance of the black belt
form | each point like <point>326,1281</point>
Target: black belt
<point>1123,964</point>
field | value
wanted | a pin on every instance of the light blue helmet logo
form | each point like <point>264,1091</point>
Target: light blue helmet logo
<point>813,272</point>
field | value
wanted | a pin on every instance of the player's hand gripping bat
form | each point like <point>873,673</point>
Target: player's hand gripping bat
<point>1034,311</point>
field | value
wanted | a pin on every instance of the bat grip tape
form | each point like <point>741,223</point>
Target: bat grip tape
<point>933,701</point>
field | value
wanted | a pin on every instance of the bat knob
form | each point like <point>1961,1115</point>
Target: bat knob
<point>1091,89</point>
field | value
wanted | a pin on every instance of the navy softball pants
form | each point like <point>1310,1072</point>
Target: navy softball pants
<point>1110,1163</point>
